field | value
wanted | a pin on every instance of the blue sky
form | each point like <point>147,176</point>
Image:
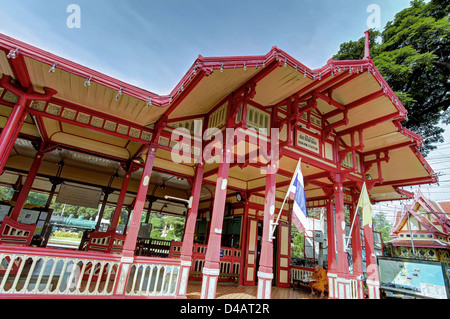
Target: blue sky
<point>151,44</point>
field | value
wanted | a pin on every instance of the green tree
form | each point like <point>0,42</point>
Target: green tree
<point>156,222</point>
<point>177,224</point>
<point>413,57</point>
<point>382,225</point>
<point>297,244</point>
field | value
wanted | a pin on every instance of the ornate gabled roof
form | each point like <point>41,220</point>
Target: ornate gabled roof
<point>423,243</point>
<point>428,213</point>
<point>347,102</point>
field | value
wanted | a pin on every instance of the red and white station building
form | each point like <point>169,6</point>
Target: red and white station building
<point>343,121</point>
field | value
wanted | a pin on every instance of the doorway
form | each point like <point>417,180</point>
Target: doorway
<point>259,236</point>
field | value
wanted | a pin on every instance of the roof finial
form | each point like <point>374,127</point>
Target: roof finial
<point>367,45</point>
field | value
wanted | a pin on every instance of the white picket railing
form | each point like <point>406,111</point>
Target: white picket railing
<point>28,274</point>
<point>153,280</point>
<point>37,272</point>
<point>300,273</point>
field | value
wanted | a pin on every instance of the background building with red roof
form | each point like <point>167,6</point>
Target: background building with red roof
<point>422,230</point>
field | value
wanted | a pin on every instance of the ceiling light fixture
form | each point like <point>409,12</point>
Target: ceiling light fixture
<point>119,93</point>
<point>12,54</point>
<point>53,68</point>
<point>88,81</point>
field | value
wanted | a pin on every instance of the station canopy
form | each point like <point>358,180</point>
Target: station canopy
<point>98,124</point>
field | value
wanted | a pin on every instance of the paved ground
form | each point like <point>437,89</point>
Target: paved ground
<point>231,291</point>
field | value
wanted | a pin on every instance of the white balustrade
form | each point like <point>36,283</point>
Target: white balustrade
<point>26,274</point>
<point>158,280</point>
<point>62,274</point>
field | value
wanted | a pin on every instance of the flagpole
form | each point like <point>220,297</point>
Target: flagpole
<point>278,217</point>
<point>354,218</point>
<point>274,225</point>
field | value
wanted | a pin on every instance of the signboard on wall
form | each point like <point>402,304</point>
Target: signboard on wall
<point>412,277</point>
<point>78,196</point>
<point>308,142</point>
<point>28,216</point>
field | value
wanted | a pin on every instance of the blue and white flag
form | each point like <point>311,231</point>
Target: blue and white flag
<point>296,192</point>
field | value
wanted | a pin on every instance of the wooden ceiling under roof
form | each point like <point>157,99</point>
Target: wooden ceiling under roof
<point>105,121</point>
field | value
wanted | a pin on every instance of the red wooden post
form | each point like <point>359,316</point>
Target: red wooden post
<point>17,117</point>
<point>118,210</point>
<point>133,230</point>
<point>243,241</point>
<point>211,268</point>
<point>332,263</point>
<point>339,277</point>
<point>12,127</point>
<point>130,241</point>
<point>331,237</point>
<point>265,273</point>
<point>188,240</point>
<point>9,147</point>
<point>27,185</point>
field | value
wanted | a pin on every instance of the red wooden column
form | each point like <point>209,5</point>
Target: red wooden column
<point>332,262</point>
<point>331,237</point>
<point>265,272</point>
<point>27,185</point>
<point>17,117</point>
<point>4,157</point>
<point>12,128</point>
<point>341,285</point>
<point>243,240</point>
<point>188,240</point>
<point>356,248</point>
<point>211,268</point>
<point>130,241</point>
<point>133,230</point>
<point>123,192</point>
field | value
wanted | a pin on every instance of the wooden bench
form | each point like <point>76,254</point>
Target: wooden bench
<point>234,277</point>
<point>14,233</point>
<point>302,284</point>
<point>108,242</point>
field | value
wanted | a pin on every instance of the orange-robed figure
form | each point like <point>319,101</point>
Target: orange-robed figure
<point>321,280</point>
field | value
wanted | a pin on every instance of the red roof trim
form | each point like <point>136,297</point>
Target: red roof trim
<point>205,65</point>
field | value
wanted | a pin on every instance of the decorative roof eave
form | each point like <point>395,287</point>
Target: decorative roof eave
<point>203,66</point>
<point>420,243</point>
<point>209,65</point>
<point>425,222</point>
<point>16,47</point>
<point>421,199</point>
